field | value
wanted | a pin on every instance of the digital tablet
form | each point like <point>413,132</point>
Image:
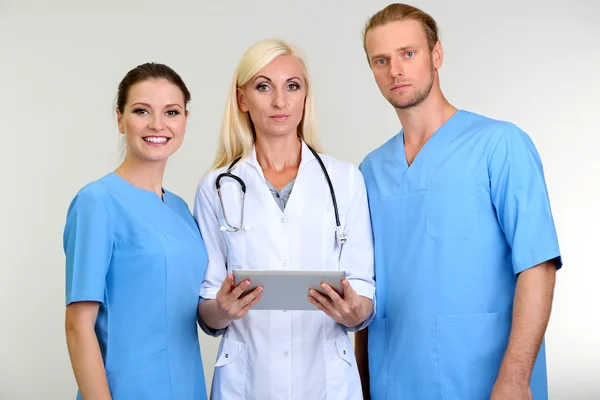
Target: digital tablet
<point>287,290</point>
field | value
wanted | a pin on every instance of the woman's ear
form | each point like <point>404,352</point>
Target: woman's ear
<point>241,100</point>
<point>120,121</point>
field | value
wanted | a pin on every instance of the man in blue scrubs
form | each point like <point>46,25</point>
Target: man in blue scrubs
<point>466,250</point>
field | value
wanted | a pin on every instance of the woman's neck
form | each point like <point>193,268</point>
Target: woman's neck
<point>278,153</point>
<point>143,174</point>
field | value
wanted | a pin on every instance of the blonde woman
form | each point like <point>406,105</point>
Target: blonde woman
<point>269,142</point>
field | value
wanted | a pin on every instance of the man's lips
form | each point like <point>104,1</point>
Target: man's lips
<point>400,86</point>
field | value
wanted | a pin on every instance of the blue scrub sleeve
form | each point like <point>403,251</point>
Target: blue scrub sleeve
<point>519,194</point>
<point>88,244</point>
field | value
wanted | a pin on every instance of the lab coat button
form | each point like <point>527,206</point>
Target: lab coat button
<point>285,354</point>
<point>284,264</point>
<point>282,220</point>
<point>226,355</point>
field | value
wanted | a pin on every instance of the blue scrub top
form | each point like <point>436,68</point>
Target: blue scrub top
<point>451,232</point>
<point>143,260</point>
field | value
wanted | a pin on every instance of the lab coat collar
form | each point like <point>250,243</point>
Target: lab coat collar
<point>306,156</point>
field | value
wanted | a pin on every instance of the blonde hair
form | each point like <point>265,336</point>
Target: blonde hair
<point>398,12</point>
<point>237,132</point>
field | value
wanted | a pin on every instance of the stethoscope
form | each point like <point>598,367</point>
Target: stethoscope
<point>341,237</point>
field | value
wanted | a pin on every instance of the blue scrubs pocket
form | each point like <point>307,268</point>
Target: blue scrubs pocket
<point>378,357</point>
<point>150,380</point>
<point>451,213</point>
<point>470,351</point>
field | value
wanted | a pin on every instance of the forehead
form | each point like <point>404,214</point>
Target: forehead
<point>386,38</point>
<point>155,91</point>
<point>283,67</point>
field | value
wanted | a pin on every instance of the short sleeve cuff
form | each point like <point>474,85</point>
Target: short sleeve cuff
<point>85,295</point>
<point>536,259</point>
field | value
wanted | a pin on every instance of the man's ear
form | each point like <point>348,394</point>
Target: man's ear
<point>437,55</point>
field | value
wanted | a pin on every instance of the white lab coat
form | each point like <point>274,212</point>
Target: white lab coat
<point>287,355</point>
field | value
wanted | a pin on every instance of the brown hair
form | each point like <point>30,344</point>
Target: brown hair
<point>145,72</point>
<point>399,12</point>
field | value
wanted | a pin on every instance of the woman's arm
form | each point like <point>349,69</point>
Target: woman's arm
<point>84,350</point>
<point>228,306</point>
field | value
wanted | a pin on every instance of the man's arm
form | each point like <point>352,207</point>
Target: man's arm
<point>361,345</point>
<point>531,312</point>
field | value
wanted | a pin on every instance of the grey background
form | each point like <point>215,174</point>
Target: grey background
<point>531,62</point>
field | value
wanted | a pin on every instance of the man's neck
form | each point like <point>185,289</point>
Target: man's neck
<point>422,121</point>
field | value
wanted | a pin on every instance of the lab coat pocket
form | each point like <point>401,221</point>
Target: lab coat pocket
<point>470,349</point>
<point>148,379</point>
<point>451,213</point>
<point>231,371</point>
<point>343,381</point>
<point>378,350</point>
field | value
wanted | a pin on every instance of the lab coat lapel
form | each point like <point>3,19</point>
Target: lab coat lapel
<point>303,183</point>
<point>257,177</point>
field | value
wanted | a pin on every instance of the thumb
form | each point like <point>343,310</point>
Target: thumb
<point>227,285</point>
<point>348,289</point>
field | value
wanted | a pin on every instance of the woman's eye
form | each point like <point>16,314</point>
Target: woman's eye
<point>262,87</point>
<point>140,111</point>
<point>293,86</point>
<point>172,113</point>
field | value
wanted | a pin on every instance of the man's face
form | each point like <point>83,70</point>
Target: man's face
<point>402,64</point>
